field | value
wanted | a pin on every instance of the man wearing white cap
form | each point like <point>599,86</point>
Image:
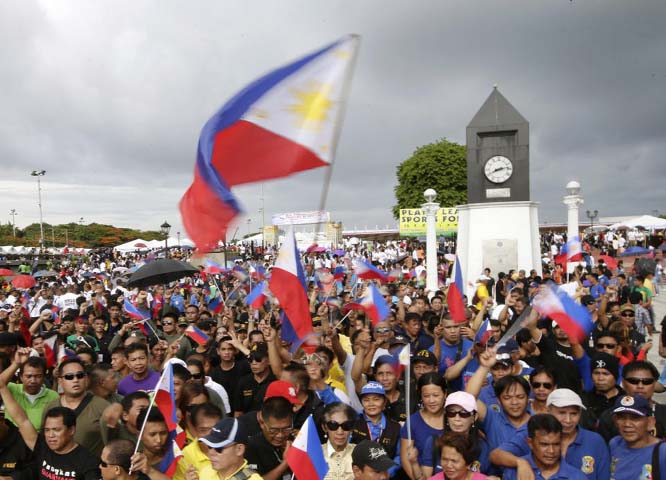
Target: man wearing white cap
<point>581,448</point>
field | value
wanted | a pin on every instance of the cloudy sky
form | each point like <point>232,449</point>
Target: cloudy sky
<point>109,98</point>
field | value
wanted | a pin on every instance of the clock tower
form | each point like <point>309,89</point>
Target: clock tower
<point>499,227</point>
<point>498,167</point>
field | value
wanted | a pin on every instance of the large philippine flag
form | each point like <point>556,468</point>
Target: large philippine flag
<point>571,252</point>
<point>288,285</point>
<point>454,296</point>
<point>572,317</point>
<point>285,122</point>
<point>306,457</point>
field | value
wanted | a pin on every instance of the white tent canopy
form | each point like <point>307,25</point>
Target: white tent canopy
<point>647,221</point>
<point>133,245</point>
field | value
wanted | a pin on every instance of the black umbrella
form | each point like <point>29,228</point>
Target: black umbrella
<point>643,266</point>
<point>161,271</point>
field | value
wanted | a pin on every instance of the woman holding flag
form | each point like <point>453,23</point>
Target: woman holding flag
<point>422,425</point>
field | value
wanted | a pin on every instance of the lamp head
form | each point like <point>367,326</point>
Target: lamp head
<point>165,228</point>
<point>38,173</point>
<point>430,195</point>
<point>573,187</point>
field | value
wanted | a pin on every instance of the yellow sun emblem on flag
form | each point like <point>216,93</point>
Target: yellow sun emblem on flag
<point>312,106</point>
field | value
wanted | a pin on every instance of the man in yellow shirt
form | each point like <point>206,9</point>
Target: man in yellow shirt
<point>204,418</point>
<point>226,450</point>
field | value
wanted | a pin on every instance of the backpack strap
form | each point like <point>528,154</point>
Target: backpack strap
<point>656,474</point>
<point>459,352</point>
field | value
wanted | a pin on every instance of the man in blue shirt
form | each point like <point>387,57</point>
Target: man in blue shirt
<point>581,448</point>
<point>500,423</point>
<point>544,437</point>
<point>450,349</point>
<point>631,452</point>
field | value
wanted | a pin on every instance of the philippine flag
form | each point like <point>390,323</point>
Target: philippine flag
<point>50,349</point>
<point>367,271</point>
<point>134,312</point>
<point>574,318</point>
<point>306,457</point>
<point>214,268</point>
<point>285,122</point>
<point>197,335</point>
<point>257,296</point>
<point>372,303</point>
<point>216,305</point>
<point>401,359</point>
<point>454,296</point>
<point>571,252</point>
<point>288,285</point>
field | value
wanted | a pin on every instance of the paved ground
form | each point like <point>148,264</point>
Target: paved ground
<point>659,303</point>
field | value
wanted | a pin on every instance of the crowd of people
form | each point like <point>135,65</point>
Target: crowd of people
<point>79,372</point>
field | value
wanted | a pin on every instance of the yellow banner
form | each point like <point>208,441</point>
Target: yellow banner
<point>413,222</point>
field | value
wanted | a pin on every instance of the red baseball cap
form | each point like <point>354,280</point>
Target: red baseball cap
<point>281,388</point>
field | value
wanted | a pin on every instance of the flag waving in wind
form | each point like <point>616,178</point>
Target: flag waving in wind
<point>288,285</point>
<point>285,122</point>
<point>305,457</point>
<point>372,303</point>
<point>572,317</point>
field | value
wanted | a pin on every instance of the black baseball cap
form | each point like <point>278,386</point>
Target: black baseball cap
<point>224,433</point>
<point>372,454</point>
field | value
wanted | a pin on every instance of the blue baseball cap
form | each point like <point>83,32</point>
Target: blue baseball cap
<point>634,404</point>
<point>373,387</point>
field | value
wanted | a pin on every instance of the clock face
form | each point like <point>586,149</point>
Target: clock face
<point>498,169</point>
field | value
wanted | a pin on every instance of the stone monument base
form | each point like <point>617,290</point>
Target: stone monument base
<point>500,236</point>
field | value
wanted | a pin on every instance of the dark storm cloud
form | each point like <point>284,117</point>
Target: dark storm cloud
<point>109,97</point>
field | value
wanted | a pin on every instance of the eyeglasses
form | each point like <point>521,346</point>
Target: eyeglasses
<point>383,330</point>
<point>500,366</point>
<point>255,360</point>
<point>546,385</point>
<point>609,346</point>
<point>628,314</point>
<point>636,381</point>
<point>277,430</point>
<point>72,376</point>
<point>167,323</point>
<point>346,426</point>
<point>460,413</point>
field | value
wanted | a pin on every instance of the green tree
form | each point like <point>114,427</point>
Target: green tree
<point>441,166</point>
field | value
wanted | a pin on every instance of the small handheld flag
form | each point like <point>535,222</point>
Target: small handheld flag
<point>197,335</point>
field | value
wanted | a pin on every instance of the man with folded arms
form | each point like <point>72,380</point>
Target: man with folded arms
<point>581,448</point>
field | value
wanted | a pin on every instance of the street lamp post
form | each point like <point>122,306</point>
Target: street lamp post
<point>430,209</point>
<point>592,216</point>
<point>165,228</point>
<point>13,213</point>
<point>39,174</point>
<point>178,235</point>
<point>572,200</point>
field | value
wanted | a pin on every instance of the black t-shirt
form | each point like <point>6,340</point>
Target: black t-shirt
<point>262,456</point>
<point>250,393</point>
<point>559,358</point>
<point>79,464</point>
<point>229,378</point>
<point>15,456</point>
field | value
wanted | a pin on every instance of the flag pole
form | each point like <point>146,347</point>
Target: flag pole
<point>408,389</point>
<point>145,419</point>
<point>344,93</point>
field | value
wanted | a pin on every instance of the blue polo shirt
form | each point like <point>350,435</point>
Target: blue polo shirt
<point>633,463</point>
<point>482,464</point>
<point>588,452</point>
<point>448,358</point>
<point>421,432</point>
<point>566,472</point>
<point>498,428</point>
<point>488,396</point>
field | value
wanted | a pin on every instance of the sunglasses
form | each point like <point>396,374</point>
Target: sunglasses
<point>197,376</point>
<point>346,426</point>
<point>628,314</point>
<point>167,323</point>
<point>546,385</point>
<point>383,330</point>
<point>72,376</point>
<point>609,346</point>
<point>636,381</point>
<point>460,413</point>
<point>221,449</point>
